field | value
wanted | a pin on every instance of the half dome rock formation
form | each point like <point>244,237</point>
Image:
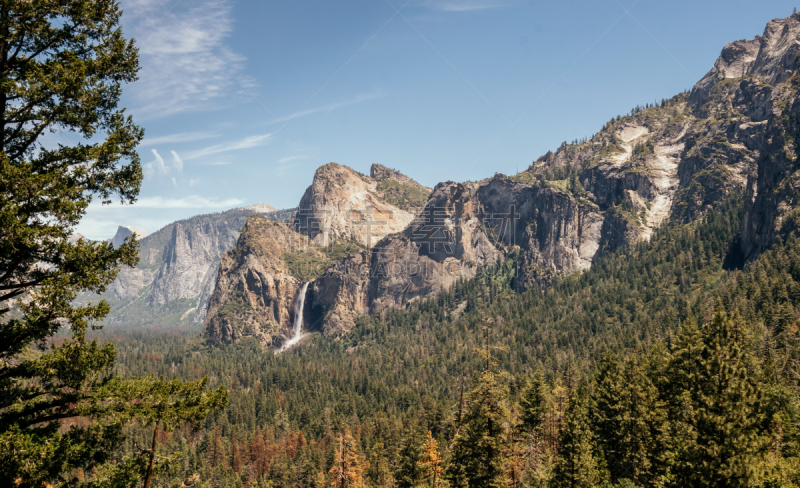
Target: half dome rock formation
<point>123,231</point>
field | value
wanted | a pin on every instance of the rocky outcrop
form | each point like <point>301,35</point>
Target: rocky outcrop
<point>178,264</point>
<point>770,58</point>
<point>446,241</point>
<point>398,189</point>
<point>261,208</point>
<point>191,255</point>
<point>557,233</point>
<point>340,295</point>
<point>342,204</point>
<point>759,145</point>
<point>124,231</point>
<point>255,289</point>
<point>129,283</point>
<point>672,161</point>
<point>773,190</point>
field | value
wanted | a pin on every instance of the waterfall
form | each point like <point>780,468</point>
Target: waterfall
<point>298,318</point>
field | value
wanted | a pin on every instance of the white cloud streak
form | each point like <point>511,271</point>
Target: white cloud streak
<point>363,97</point>
<point>186,63</point>
<point>192,201</point>
<point>158,167</point>
<point>247,142</point>
<point>177,138</point>
<point>290,158</point>
<point>154,167</point>
<point>177,162</point>
<point>464,5</point>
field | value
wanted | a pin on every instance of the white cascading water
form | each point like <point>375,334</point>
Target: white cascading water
<point>298,319</point>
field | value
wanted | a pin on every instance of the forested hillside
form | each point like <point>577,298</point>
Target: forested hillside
<point>592,380</point>
<point>639,326</point>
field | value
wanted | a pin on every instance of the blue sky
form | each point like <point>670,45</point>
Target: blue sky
<point>242,100</point>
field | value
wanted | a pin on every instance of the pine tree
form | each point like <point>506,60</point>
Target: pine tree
<point>380,472</point>
<point>236,456</point>
<point>480,451</point>
<point>348,468</point>
<point>721,408</point>
<point>216,449</point>
<point>410,471</point>
<point>533,404</point>
<point>580,463</point>
<point>62,66</point>
<point>167,405</point>
<point>432,462</point>
<point>630,420</point>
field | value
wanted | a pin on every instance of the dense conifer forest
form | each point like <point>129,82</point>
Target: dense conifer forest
<point>669,363</point>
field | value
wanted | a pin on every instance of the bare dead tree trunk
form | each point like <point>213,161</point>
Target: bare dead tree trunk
<point>152,458</point>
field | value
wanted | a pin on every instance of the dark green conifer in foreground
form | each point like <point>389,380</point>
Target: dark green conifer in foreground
<point>481,446</point>
<point>64,412</point>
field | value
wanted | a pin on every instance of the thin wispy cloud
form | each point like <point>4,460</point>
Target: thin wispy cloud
<point>290,158</point>
<point>287,163</point>
<point>186,63</point>
<point>247,142</point>
<point>464,5</point>
<point>177,162</point>
<point>363,97</point>
<point>177,138</point>
<point>154,167</point>
<point>158,167</point>
<point>192,201</point>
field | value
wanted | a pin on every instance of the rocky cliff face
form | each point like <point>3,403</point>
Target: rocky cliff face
<point>123,231</point>
<point>446,241</point>
<point>177,269</point>
<point>734,133</point>
<point>191,255</point>
<point>769,92</point>
<point>341,216</point>
<point>255,290</point>
<point>556,233</point>
<point>342,204</point>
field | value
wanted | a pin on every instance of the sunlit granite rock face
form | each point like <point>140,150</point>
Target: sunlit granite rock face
<point>675,160</point>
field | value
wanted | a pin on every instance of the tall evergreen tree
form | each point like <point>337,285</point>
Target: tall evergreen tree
<point>62,65</point>
<point>380,468</point>
<point>580,463</point>
<point>348,468</point>
<point>432,462</point>
<point>533,404</point>
<point>480,450</point>
<point>630,420</point>
<point>410,471</point>
<point>722,408</point>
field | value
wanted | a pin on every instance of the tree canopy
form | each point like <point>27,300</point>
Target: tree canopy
<point>64,144</point>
